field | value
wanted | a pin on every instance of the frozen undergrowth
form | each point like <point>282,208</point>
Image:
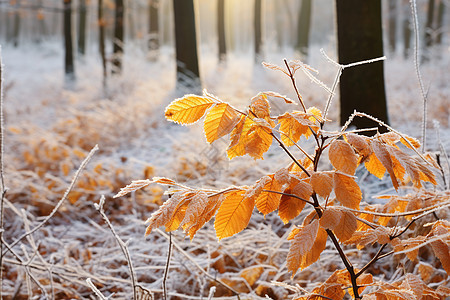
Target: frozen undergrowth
<point>57,126</point>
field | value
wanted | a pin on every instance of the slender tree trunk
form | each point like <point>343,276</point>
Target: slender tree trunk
<point>188,74</point>
<point>221,30</point>
<point>101,37</point>
<point>16,32</point>
<point>153,40</point>
<point>360,38</point>
<point>69,63</point>
<point>258,31</point>
<point>406,29</point>
<point>303,25</point>
<point>393,12</point>
<point>82,27</point>
<point>429,30</point>
<point>440,22</point>
<point>118,42</point>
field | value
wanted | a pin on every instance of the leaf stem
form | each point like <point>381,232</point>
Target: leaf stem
<point>290,195</point>
<point>290,154</point>
<point>291,75</point>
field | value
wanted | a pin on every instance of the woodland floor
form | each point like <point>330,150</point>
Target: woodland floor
<point>51,127</point>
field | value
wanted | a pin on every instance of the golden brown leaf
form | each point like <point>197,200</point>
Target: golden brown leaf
<point>260,107</point>
<point>342,157</point>
<point>258,141</point>
<point>234,214</point>
<point>132,187</point>
<point>402,245</point>
<point>360,144</point>
<point>374,166</point>
<point>322,183</point>
<point>347,226</point>
<point>239,138</point>
<point>383,156</point>
<point>267,202</point>
<point>441,247</point>
<point>219,121</point>
<point>370,236</point>
<point>293,125</point>
<point>188,109</point>
<point>347,190</point>
<point>166,212</point>
<point>252,274</point>
<point>307,242</point>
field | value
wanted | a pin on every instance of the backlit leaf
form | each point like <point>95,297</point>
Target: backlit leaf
<point>132,187</point>
<point>239,138</point>
<point>267,202</point>
<point>234,214</point>
<point>383,156</point>
<point>293,125</point>
<point>188,109</point>
<point>257,141</point>
<point>219,121</point>
<point>360,144</point>
<point>322,183</point>
<point>307,244</point>
<point>342,157</point>
<point>347,190</point>
<point>374,166</point>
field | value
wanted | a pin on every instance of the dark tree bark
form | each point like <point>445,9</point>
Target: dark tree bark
<point>221,30</point>
<point>429,28</point>
<point>118,42</point>
<point>406,29</point>
<point>258,31</point>
<point>82,27</point>
<point>392,15</point>
<point>188,74</point>
<point>440,22</point>
<point>101,37</point>
<point>153,40</point>
<point>16,31</point>
<point>68,62</point>
<point>303,27</point>
<point>360,38</point>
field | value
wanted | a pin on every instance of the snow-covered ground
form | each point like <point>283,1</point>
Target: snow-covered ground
<point>126,120</point>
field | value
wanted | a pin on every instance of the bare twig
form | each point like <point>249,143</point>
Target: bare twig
<point>2,180</point>
<point>180,249</point>
<point>95,289</point>
<point>419,76</point>
<point>66,194</point>
<point>122,245</point>
<point>291,75</point>
<point>166,270</point>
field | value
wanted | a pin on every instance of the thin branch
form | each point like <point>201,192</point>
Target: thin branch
<point>373,260</point>
<point>122,245</point>
<point>290,154</point>
<point>2,180</point>
<point>360,114</point>
<point>66,194</point>
<point>180,249</point>
<point>427,210</point>
<point>95,289</point>
<point>298,147</point>
<point>291,75</point>
<point>166,270</point>
<point>290,195</point>
<point>419,76</point>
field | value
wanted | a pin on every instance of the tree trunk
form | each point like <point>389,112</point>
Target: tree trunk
<point>429,30</point>
<point>101,37</point>
<point>153,40</point>
<point>16,31</point>
<point>360,38</point>
<point>82,27</point>
<point>221,30</point>
<point>258,31</point>
<point>392,14</point>
<point>303,25</point>
<point>118,41</point>
<point>406,29</point>
<point>440,22</point>
<point>68,62</point>
<point>188,74</point>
